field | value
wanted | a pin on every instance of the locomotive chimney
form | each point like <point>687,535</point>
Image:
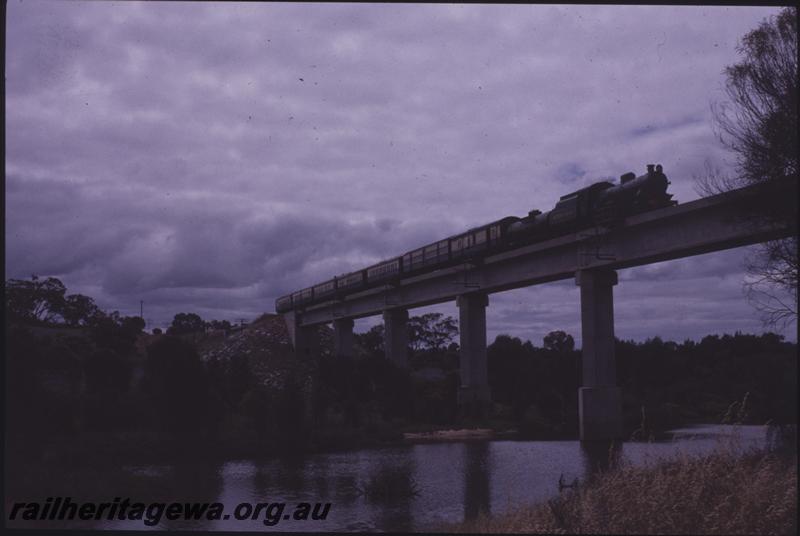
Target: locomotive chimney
<point>650,168</point>
<point>627,177</point>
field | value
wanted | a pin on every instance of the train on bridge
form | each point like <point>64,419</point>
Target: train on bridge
<point>602,203</point>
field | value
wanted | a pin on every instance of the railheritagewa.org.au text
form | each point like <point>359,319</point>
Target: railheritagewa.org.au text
<point>151,514</point>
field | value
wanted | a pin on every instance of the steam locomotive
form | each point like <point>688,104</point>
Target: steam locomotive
<point>602,203</point>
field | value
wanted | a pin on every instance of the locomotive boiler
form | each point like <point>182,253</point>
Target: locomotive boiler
<point>602,203</point>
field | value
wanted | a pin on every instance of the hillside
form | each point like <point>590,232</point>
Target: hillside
<point>266,345</point>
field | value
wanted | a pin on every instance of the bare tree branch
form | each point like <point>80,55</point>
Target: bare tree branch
<point>759,126</point>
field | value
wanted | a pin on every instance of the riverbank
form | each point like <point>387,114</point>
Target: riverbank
<point>720,493</point>
<point>461,434</point>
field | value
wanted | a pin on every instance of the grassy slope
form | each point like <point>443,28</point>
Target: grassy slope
<point>721,493</point>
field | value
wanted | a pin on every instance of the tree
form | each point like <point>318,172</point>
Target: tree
<point>559,341</point>
<point>510,370</point>
<point>432,331</point>
<point>115,332</point>
<point>78,309</point>
<point>34,301</point>
<point>219,324</point>
<point>372,340</point>
<point>184,323</point>
<point>759,125</point>
<point>43,301</point>
<point>132,326</point>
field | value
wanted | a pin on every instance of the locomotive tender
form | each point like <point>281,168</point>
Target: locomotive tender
<point>602,203</point>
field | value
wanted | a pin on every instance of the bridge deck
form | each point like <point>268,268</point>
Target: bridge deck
<point>702,226</point>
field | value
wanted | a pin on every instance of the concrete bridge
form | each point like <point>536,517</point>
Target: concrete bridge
<point>590,256</point>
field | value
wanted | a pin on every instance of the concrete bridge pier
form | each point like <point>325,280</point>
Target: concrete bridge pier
<point>395,336</point>
<point>599,400</point>
<point>472,363</point>
<point>303,338</point>
<point>343,337</point>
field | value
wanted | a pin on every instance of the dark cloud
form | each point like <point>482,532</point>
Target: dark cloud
<point>651,127</point>
<point>170,152</point>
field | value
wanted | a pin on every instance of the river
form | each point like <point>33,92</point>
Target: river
<point>454,481</point>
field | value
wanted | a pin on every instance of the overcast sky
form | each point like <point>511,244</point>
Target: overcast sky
<point>209,157</point>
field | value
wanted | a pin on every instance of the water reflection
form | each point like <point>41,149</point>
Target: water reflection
<point>600,456</point>
<point>291,476</point>
<point>456,481</point>
<point>345,489</point>
<point>392,488</point>
<point>186,482</point>
<point>261,480</point>
<point>782,438</point>
<point>476,479</point>
<point>319,476</point>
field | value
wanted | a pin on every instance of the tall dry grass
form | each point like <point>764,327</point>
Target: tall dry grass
<point>720,493</point>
